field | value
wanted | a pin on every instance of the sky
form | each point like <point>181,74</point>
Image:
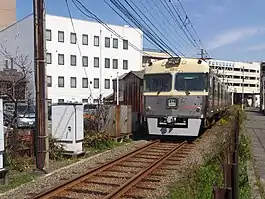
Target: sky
<point>229,29</point>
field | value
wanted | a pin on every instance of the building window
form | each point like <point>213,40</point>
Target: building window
<point>60,81</point>
<point>84,82</point>
<point>49,81</point>
<point>48,35</point>
<point>115,43</point>
<point>96,62</point>
<point>61,59</point>
<point>125,44</point>
<point>107,42</point>
<point>85,39</point>
<point>48,58</point>
<point>60,36</point>
<point>85,61</point>
<point>107,63</point>
<point>96,40</point>
<point>96,82</point>
<point>73,82</point>
<point>84,101</point>
<point>107,83</point>
<point>95,101</point>
<point>125,64</point>
<point>60,100</point>
<point>73,38</point>
<point>115,64</point>
<point>73,60</point>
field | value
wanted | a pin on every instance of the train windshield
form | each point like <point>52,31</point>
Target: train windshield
<point>191,82</point>
<point>157,82</point>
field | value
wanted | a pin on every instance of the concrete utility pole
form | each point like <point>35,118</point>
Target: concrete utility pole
<point>202,54</point>
<point>243,68</point>
<point>101,82</point>
<point>41,141</point>
<point>117,93</point>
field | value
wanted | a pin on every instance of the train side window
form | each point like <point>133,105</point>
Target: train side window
<point>210,84</point>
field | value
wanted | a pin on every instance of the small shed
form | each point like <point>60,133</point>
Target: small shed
<point>130,93</point>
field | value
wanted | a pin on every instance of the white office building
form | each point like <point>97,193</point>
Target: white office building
<point>82,63</point>
<point>241,78</point>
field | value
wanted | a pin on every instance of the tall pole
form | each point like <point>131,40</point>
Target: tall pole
<point>117,93</point>
<point>202,54</point>
<point>41,140</point>
<point>101,66</point>
<point>243,88</point>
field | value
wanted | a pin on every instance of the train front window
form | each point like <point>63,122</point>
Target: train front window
<point>157,82</point>
<point>191,82</point>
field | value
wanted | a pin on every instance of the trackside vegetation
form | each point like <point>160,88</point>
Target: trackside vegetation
<point>198,181</point>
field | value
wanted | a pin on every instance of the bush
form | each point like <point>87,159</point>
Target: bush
<point>17,163</point>
<point>56,149</point>
<point>97,140</point>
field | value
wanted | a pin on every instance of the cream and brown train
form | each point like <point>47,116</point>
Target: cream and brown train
<point>181,95</point>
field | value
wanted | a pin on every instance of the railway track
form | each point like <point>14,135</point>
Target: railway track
<point>116,178</point>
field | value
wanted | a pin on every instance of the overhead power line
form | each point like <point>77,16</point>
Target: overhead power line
<point>79,49</point>
<point>84,10</point>
<point>176,24</point>
<point>142,24</point>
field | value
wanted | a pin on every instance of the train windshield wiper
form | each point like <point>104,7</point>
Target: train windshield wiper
<point>159,91</point>
<point>186,89</point>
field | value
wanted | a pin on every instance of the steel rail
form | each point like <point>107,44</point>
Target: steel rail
<point>61,187</point>
<point>117,193</point>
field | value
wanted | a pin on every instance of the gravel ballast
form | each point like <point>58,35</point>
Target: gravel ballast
<point>68,172</point>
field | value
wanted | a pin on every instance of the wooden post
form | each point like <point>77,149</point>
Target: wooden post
<point>118,120</point>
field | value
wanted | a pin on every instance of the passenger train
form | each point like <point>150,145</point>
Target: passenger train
<point>181,96</point>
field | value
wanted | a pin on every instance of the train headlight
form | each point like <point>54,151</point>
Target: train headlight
<point>148,108</point>
<point>172,102</point>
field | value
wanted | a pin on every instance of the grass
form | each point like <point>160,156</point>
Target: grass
<point>199,181</point>
<point>16,179</point>
<point>105,145</point>
<point>244,156</point>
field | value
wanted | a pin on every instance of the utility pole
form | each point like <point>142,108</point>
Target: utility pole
<point>100,65</point>
<point>202,53</point>
<point>41,141</point>
<point>117,93</point>
<point>243,68</point>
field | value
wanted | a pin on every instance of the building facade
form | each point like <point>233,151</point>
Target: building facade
<point>151,55</point>
<point>262,86</point>
<point>82,63</point>
<point>243,79</point>
<point>7,13</point>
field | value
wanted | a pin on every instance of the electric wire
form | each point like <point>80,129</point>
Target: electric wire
<point>79,49</point>
<point>93,16</point>
<point>154,26</point>
<point>155,40</point>
<point>182,7</point>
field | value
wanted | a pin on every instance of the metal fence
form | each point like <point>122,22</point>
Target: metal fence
<point>230,168</point>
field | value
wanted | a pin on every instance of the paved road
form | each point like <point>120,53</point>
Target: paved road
<point>255,128</point>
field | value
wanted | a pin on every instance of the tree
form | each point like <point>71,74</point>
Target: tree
<point>14,80</point>
<point>14,89</point>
